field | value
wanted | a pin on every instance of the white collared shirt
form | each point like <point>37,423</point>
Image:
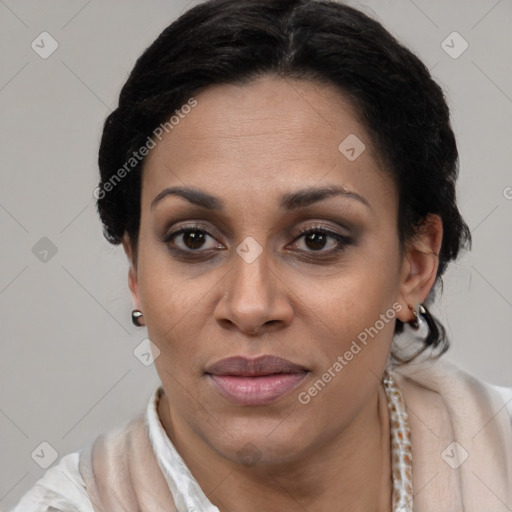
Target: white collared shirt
<point>62,486</point>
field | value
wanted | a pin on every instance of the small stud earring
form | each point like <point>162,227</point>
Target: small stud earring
<point>136,316</point>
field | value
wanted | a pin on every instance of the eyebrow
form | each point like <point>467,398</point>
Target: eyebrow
<point>290,201</point>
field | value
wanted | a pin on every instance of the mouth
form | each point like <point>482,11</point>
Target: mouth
<point>258,381</point>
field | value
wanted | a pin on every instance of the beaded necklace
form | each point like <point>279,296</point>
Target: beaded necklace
<point>401,457</point>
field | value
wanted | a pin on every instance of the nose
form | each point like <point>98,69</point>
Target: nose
<point>255,299</point>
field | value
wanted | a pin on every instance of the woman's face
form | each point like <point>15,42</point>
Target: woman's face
<point>225,270</point>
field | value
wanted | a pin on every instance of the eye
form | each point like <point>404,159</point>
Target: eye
<point>195,241</point>
<point>319,239</point>
<point>192,239</point>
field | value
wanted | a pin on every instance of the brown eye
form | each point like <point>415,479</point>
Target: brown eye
<point>322,241</point>
<point>315,240</point>
<point>194,239</point>
<point>191,240</point>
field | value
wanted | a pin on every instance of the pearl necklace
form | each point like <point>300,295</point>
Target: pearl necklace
<point>401,456</point>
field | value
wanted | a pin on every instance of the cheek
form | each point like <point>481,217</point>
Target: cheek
<point>352,310</point>
<point>174,313</point>
<point>353,350</point>
<point>354,296</point>
<point>172,303</point>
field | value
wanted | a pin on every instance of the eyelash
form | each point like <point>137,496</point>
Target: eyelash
<point>342,242</point>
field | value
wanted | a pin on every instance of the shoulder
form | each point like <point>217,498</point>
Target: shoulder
<point>506,395</point>
<point>67,486</point>
<point>466,398</point>
<point>461,436</point>
<point>61,487</point>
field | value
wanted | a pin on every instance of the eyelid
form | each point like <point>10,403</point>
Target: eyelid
<point>341,244</point>
<point>325,225</point>
<point>176,228</point>
<point>342,241</point>
<point>169,238</point>
<point>199,224</point>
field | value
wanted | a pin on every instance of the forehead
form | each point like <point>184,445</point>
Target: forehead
<point>270,135</point>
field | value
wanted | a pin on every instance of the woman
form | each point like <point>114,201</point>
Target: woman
<point>281,175</point>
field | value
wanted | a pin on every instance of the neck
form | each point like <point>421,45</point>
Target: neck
<point>349,473</point>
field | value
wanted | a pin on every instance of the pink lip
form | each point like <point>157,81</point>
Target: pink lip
<point>257,381</point>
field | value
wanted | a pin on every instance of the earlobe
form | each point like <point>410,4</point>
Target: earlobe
<point>420,264</point>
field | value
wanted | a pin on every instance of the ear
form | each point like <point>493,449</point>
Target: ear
<point>132,273</point>
<point>419,266</point>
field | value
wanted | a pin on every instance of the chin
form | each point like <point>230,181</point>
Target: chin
<point>263,442</point>
<point>257,452</point>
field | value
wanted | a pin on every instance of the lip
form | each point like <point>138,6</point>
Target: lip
<point>258,381</point>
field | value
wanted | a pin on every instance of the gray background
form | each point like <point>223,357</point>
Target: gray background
<point>67,367</point>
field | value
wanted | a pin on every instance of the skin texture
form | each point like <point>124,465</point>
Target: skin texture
<point>248,145</point>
